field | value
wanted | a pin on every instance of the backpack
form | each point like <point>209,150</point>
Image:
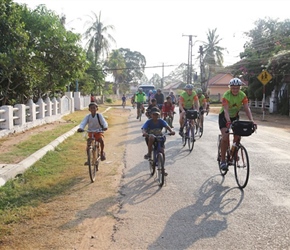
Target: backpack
<point>100,121</point>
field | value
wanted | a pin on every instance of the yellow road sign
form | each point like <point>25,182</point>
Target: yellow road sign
<point>264,77</point>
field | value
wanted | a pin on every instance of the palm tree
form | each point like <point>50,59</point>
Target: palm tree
<point>99,40</point>
<point>213,53</point>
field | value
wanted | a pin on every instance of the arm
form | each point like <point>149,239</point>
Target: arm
<point>248,112</point>
<point>181,101</point>
<point>196,102</point>
<point>83,124</point>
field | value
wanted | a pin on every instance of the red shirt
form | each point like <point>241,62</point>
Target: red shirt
<point>167,107</point>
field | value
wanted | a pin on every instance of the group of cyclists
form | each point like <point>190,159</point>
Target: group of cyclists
<point>160,107</point>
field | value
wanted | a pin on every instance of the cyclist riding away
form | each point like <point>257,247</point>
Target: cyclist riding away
<point>154,126</point>
<point>173,97</point>
<point>232,101</point>
<point>96,125</point>
<point>202,107</point>
<point>188,100</point>
<point>140,98</point>
<point>168,109</point>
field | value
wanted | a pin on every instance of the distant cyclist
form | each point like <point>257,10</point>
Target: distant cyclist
<point>188,100</point>
<point>232,101</point>
<point>140,98</point>
<point>202,107</point>
<point>159,98</point>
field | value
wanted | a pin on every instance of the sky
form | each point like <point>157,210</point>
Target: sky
<point>160,29</point>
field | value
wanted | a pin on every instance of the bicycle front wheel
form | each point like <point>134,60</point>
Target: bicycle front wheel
<point>160,169</point>
<point>191,138</point>
<point>91,163</point>
<point>242,166</point>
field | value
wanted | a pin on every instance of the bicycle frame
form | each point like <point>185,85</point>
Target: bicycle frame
<point>237,156</point>
<point>158,159</point>
<point>188,133</point>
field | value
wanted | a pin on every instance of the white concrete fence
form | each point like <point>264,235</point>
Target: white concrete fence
<point>21,117</point>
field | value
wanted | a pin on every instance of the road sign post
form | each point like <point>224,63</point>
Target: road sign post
<point>264,77</point>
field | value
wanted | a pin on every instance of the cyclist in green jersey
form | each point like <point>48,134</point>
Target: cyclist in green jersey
<point>187,100</point>
<point>232,101</point>
<point>140,98</point>
<point>202,107</point>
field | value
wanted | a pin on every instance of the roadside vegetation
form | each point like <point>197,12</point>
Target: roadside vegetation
<point>54,175</point>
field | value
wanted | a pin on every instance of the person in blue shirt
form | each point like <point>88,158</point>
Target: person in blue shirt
<point>154,126</point>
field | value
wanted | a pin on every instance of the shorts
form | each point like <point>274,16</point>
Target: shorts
<point>96,135</point>
<point>223,121</point>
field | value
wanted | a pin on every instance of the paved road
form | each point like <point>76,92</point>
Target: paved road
<point>198,208</point>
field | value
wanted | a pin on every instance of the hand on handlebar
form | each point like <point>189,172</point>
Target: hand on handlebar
<point>80,130</point>
<point>228,125</point>
<point>172,133</point>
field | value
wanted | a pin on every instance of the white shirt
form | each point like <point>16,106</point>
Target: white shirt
<point>93,123</point>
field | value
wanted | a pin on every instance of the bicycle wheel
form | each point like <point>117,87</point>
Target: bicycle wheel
<point>191,138</point>
<point>184,135</point>
<point>242,166</point>
<point>160,169</point>
<point>91,163</point>
<point>151,164</point>
<point>223,172</point>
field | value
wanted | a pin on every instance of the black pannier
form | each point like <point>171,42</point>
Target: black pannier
<point>243,128</point>
<point>191,114</point>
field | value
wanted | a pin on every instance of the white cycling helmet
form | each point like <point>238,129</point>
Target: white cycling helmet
<point>188,86</point>
<point>235,82</point>
<point>140,89</point>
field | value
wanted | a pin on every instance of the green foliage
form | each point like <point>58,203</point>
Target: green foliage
<point>109,100</point>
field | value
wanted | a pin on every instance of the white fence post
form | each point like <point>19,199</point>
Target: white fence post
<point>41,111</point>
<point>77,100</point>
<point>31,115</point>
<point>21,114</point>
<point>55,106</point>
<point>48,103</point>
<point>7,116</point>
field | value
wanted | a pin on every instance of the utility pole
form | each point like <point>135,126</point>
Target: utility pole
<point>202,69</point>
<point>162,79</point>
<point>189,65</point>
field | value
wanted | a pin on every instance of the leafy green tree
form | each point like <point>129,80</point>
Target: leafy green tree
<point>117,66</point>
<point>13,55</point>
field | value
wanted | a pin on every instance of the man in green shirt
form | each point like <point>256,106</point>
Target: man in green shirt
<point>140,98</point>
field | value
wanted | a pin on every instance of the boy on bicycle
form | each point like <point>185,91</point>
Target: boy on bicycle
<point>154,126</point>
<point>96,125</point>
<point>168,109</point>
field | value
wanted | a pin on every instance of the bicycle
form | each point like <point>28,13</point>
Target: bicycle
<point>168,118</point>
<point>124,104</point>
<point>188,129</point>
<point>236,154</point>
<point>157,158</point>
<point>198,126</point>
<point>140,108</point>
<point>93,155</point>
